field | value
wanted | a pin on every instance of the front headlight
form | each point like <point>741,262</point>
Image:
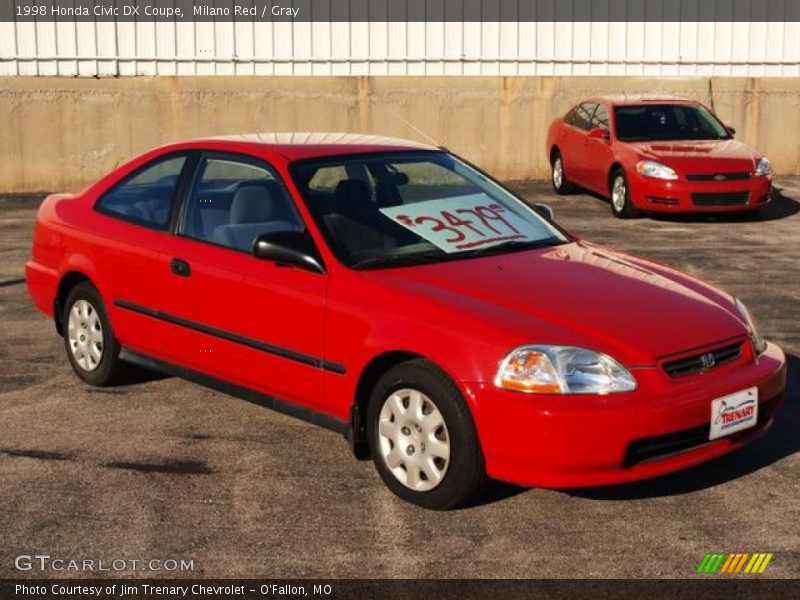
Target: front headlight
<point>763,167</point>
<point>759,343</point>
<point>650,168</point>
<point>562,370</point>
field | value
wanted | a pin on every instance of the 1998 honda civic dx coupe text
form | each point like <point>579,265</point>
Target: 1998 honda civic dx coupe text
<point>656,154</point>
<point>392,292</point>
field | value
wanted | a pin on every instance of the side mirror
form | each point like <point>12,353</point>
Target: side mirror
<point>731,130</point>
<point>544,211</point>
<point>294,248</point>
<point>599,133</point>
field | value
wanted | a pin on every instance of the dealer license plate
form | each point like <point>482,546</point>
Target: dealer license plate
<point>733,413</point>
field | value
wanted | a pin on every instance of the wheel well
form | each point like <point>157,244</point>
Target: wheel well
<point>68,281</point>
<point>366,382</point>
<point>553,151</point>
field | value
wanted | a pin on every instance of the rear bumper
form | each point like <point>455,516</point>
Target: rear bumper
<point>581,441</point>
<point>658,195</point>
<point>42,282</point>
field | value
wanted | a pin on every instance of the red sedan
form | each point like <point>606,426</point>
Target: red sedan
<point>664,155</point>
<point>394,293</point>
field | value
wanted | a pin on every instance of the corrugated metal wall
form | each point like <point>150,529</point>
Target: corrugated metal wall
<point>304,48</point>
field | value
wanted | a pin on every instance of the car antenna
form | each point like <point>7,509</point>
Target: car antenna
<point>422,133</point>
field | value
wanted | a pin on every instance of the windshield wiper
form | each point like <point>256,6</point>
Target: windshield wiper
<point>441,256</point>
<point>401,261</point>
<point>671,139</point>
<point>514,246</point>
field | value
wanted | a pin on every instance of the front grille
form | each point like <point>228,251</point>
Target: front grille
<point>662,446</point>
<point>730,176</point>
<point>652,448</point>
<point>704,361</point>
<point>720,198</point>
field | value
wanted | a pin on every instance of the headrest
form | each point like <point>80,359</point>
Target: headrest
<point>387,194</point>
<point>352,193</point>
<point>252,204</point>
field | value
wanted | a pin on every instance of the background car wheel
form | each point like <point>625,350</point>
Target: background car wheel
<point>422,437</point>
<point>621,204</point>
<point>89,339</point>
<point>558,176</point>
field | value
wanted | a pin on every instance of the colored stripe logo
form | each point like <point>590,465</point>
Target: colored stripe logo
<point>734,563</point>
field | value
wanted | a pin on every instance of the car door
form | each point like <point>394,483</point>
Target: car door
<point>251,322</point>
<point>599,152</point>
<point>133,219</point>
<point>573,141</point>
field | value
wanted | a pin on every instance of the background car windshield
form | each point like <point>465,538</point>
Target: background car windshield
<point>661,122</point>
<point>412,207</point>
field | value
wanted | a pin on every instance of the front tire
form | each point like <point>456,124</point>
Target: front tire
<point>91,347</point>
<point>621,205</point>
<point>558,176</point>
<point>422,437</point>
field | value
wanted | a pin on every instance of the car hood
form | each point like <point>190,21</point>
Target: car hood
<point>580,294</point>
<point>701,155</point>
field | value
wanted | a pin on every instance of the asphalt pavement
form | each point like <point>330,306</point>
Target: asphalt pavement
<point>165,469</point>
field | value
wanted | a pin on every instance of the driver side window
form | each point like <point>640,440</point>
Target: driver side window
<point>234,202</point>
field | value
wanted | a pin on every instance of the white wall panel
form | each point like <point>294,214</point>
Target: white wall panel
<point>791,48</point>
<point>454,48</point>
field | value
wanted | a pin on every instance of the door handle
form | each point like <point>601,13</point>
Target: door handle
<point>180,267</point>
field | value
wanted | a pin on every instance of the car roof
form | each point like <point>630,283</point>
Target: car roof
<point>623,99</point>
<point>299,145</point>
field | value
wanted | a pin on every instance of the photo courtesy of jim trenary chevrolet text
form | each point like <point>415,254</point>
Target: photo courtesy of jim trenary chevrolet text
<point>399,298</point>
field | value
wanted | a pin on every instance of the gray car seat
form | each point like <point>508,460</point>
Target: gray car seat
<point>256,209</point>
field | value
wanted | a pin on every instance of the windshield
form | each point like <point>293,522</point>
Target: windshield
<point>662,122</point>
<point>397,209</point>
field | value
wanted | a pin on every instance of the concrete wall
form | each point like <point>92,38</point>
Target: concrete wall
<point>61,134</point>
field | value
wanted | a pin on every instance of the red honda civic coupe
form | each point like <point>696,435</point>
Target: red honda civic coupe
<point>659,154</point>
<point>394,293</point>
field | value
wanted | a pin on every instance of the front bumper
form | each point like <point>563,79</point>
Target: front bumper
<point>681,195</point>
<point>587,440</point>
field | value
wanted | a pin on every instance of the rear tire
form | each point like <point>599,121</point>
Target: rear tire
<point>621,205</point>
<point>558,176</point>
<point>89,340</point>
<point>422,437</point>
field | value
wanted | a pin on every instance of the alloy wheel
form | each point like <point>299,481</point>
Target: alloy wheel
<point>558,172</point>
<point>618,193</point>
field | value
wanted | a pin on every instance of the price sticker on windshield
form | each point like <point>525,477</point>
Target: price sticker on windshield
<point>464,222</point>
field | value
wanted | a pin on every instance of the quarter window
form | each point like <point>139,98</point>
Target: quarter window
<point>146,197</point>
<point>581,116</point>
<point>600,118</point>
<point>233,202</point>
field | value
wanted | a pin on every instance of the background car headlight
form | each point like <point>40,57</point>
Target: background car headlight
<point>562,370</point>
<point>759,343</point>
<point>650,168</point>
<point>763,167</point>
